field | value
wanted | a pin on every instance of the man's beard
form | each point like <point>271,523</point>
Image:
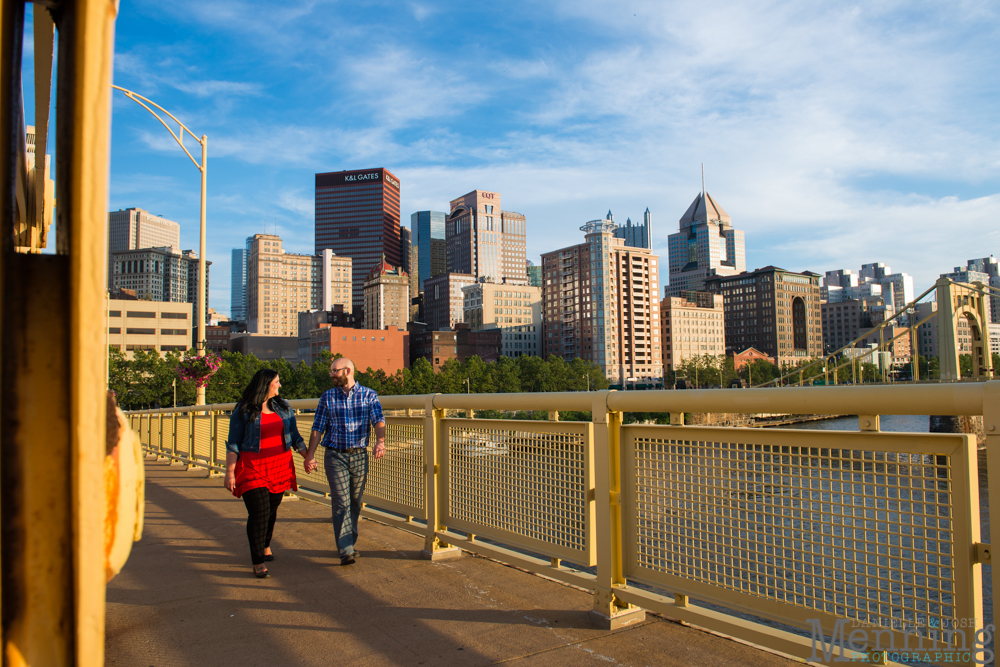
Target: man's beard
<point>339,380</point>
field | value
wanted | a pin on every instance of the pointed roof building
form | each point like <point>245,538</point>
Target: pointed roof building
<point>706,245</point>
<point>698,212</point>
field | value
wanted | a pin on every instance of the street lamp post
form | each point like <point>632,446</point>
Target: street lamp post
<point>588,382</point>
<point>467,389</point>
<point>203,168</point>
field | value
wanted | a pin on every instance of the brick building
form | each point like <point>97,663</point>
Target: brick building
<point>773,310</point>
<point>438,347</point>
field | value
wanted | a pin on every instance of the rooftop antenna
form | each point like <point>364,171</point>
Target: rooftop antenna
<point>704,199</point>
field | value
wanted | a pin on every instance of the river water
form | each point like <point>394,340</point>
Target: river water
<point>897,423</point>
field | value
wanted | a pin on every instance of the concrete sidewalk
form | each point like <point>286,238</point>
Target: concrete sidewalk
<point>187,597</point>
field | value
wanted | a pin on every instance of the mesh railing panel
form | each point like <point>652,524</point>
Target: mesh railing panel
<point>855,531</point>
<point>183,437</point>
<point>202,437</point>
<point>316,480</point>
<point>397,480</point>
<point>522,483</point>
<point>167,433</point>
<point>154,431</point>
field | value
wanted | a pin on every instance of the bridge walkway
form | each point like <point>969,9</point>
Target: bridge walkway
<point>187,597</point>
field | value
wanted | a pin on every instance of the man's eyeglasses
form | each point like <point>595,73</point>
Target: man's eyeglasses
<point>334,371</point>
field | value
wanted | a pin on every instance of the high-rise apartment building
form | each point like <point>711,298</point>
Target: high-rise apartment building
<point>707,245</point>
<point>485,241</point>
<point>691,325</point>
<point>637,236</point>
<point>429,238</point>
<point>443,300</point>
<point>158,274</point>
<point>357,216</point>
<point>387,297</point>
<point>599,303</point>
<point>134,228</point>
<point>280,285</point>
<point>514,309</point>
<point>773,310</point>
<point>238,288</point>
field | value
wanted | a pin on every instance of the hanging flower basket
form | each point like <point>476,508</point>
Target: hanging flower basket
<point>199,369</point>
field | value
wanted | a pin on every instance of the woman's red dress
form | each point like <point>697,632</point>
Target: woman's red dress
<point>272,466</point>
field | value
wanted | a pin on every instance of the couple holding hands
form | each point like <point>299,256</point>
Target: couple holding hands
<point>259,466</point>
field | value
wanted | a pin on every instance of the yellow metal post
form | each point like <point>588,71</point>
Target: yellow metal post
<point>609,612</point>
<point>435,452</point>
<point>947,339</point>
<point>991,427</point>
<point>53,578</point>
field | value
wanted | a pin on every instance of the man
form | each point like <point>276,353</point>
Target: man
<point>344,417</point>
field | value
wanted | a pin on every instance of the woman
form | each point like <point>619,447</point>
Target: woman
<point>259,467</point>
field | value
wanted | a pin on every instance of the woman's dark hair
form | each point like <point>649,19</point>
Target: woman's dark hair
<point>255,394</point>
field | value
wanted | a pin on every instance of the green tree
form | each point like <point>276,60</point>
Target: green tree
<point>758,371</point>
<point>421,377</point>
<point>506,375</point>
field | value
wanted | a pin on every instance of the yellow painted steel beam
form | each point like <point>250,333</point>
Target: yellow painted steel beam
<point>52,516</point>
<point>915,399</point>
<point>902,399</point>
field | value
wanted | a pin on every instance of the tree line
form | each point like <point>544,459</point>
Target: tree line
<point>150,381</point>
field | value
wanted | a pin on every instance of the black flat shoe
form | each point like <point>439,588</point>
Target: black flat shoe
<point>268,557</point>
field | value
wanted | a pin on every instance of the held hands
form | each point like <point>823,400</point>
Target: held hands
<point>379,448</point>
<point>309,464</point>
<point>230,481</point>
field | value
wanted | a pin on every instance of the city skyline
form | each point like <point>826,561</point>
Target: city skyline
<point>803,139</point>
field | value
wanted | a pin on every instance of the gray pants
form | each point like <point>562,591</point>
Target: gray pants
<point>346,472</point>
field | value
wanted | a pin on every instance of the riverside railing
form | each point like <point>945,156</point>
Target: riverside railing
<point>867,542</point>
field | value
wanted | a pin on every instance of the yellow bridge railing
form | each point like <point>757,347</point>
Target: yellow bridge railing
<point>865,534</point>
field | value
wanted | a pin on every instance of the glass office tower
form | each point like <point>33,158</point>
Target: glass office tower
<point>238,293</point>
<point>429,237</point>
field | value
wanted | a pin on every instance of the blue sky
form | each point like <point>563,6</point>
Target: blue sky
<point>833,134</point>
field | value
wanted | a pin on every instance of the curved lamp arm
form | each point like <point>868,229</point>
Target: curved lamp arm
<point>142,101</point>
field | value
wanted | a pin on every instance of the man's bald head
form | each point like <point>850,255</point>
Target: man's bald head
<point>342,372</point>
<point>342,362</point>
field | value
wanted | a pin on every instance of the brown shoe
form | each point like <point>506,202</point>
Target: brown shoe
<point>347,560</point>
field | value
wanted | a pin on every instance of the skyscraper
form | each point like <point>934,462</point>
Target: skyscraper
<point>485,241</point>
<point>357,216</point>
<point>636,236</point>
<point>429,237</point>
<point>706,245</point>
<point>599,303</point>
<point>134,228</point>
<point>238,289</point>
<point>281,285</point>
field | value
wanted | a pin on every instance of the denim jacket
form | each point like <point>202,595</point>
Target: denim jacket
<point>244,435</point>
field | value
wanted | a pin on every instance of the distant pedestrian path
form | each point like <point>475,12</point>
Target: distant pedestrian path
<point>187,597</point>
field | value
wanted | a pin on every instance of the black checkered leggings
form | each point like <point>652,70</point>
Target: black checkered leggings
<point>262,510</point>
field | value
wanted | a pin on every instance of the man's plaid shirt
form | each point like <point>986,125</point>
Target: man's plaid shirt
<point>345,419</point>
